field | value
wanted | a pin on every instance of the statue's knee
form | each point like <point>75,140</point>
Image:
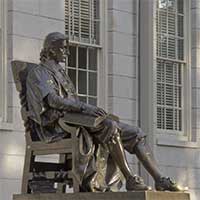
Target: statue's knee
<point>115,137</point>
<point>110,125</point>
<point>113,131</point>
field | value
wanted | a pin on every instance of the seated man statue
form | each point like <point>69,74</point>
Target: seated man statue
<point>50,93</point>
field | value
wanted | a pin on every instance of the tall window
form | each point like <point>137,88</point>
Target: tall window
<point>82,25</point>
<point>171,63</point>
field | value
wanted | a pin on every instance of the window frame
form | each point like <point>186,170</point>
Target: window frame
<point>102,59</point>
<point>185,134</point>
<point>147,82</point>
<point>77,70</point>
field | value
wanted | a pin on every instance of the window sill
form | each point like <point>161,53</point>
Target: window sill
<point>178,143</point>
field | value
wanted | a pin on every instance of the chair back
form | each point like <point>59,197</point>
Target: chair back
<point>20,71</point>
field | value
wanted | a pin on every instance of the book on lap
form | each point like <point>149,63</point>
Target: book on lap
<point>86,120</point>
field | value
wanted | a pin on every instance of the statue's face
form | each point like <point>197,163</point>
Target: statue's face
<point>60,49</point>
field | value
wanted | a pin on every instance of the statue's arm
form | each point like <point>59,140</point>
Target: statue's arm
<point>57,102</point>
<point>72,105</point>
<point>41,86</point>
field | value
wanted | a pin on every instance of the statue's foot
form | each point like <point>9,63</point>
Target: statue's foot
<point>136,183</point>
<point>165,183</point>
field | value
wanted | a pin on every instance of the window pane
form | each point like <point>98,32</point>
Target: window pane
<point>95,34</point>
<point>160,118</point>
<point>180,26</point>
<point>181,49</point>
<point>72,57</point>
<point>75,19</point>
<point>169,72</point>
<point>163,4</point>
<point>83,99</point>
<point>162,45</point>
<point>169,95</point>
<point>82,82</point>
<point>93,101</point>
<point>171,23</point>
<point>180,120</point>
<point>181,6</point>
<point>180,97</point>
<point>171,5</point>
<point>169,119</point>
<point>72,75</point>
<point>160,71</point>
<point>172,48</point>
<point>92,59</point>
<point>92,84</point>
<point>160,94</point>
<point>180,74</point>
<point>163,21</point>
<point>85,20</point>
<point>82,58</point>
<point>85,24</point>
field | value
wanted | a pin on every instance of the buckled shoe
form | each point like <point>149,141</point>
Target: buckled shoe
<point>165,183</point>
<point>136,183</point>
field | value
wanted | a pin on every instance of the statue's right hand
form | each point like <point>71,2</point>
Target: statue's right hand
<point>93,110</point>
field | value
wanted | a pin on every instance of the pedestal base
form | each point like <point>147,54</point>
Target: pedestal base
<point>148,195</point>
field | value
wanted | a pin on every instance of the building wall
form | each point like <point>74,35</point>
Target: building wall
<point>177,159</point>
<point>123,63</point>
<point>28,23</point>
<point>195,67</point>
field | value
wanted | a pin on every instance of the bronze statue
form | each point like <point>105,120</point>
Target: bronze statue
<point>51,94</point>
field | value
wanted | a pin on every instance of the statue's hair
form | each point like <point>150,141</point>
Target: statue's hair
<point>49,43</point>
<point>43,55</point>
<point>46,53</point>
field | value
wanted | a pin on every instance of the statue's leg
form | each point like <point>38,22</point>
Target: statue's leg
<point>134,142</point>
<point>145,156</point>
<point>116,150</point>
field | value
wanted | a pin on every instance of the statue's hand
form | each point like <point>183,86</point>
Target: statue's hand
<point>93,110</point>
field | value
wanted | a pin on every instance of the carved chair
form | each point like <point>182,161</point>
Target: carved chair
<point>66,148</point>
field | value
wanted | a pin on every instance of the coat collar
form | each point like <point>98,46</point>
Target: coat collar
<point>52,66</point>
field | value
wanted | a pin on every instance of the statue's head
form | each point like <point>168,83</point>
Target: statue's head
<point>55,47</point>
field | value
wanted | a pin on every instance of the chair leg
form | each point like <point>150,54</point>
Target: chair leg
<point>76,187</point>
<point>75,141</point>
<point>61,186</point>
<point>27,163</point>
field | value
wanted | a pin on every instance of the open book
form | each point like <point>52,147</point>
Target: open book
<point>86,120</point>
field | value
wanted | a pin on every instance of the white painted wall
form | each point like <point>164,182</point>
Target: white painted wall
<point>30,20</point>
<point>123,63</point>
<point>28,23</point>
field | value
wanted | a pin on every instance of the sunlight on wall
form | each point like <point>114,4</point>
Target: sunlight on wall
<point>12,166</point>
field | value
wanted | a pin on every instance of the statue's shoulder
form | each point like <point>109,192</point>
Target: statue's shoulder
<point>38,72</point>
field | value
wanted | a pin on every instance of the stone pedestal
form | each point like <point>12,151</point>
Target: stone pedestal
<point>107,196</point>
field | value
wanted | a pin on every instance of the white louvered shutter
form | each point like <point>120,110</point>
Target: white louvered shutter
<point>170,64</point>
<point>82,20</point>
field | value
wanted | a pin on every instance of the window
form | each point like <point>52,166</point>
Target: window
<point>82,70</point>
<point>82,25</point>
<point>171,64</point>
